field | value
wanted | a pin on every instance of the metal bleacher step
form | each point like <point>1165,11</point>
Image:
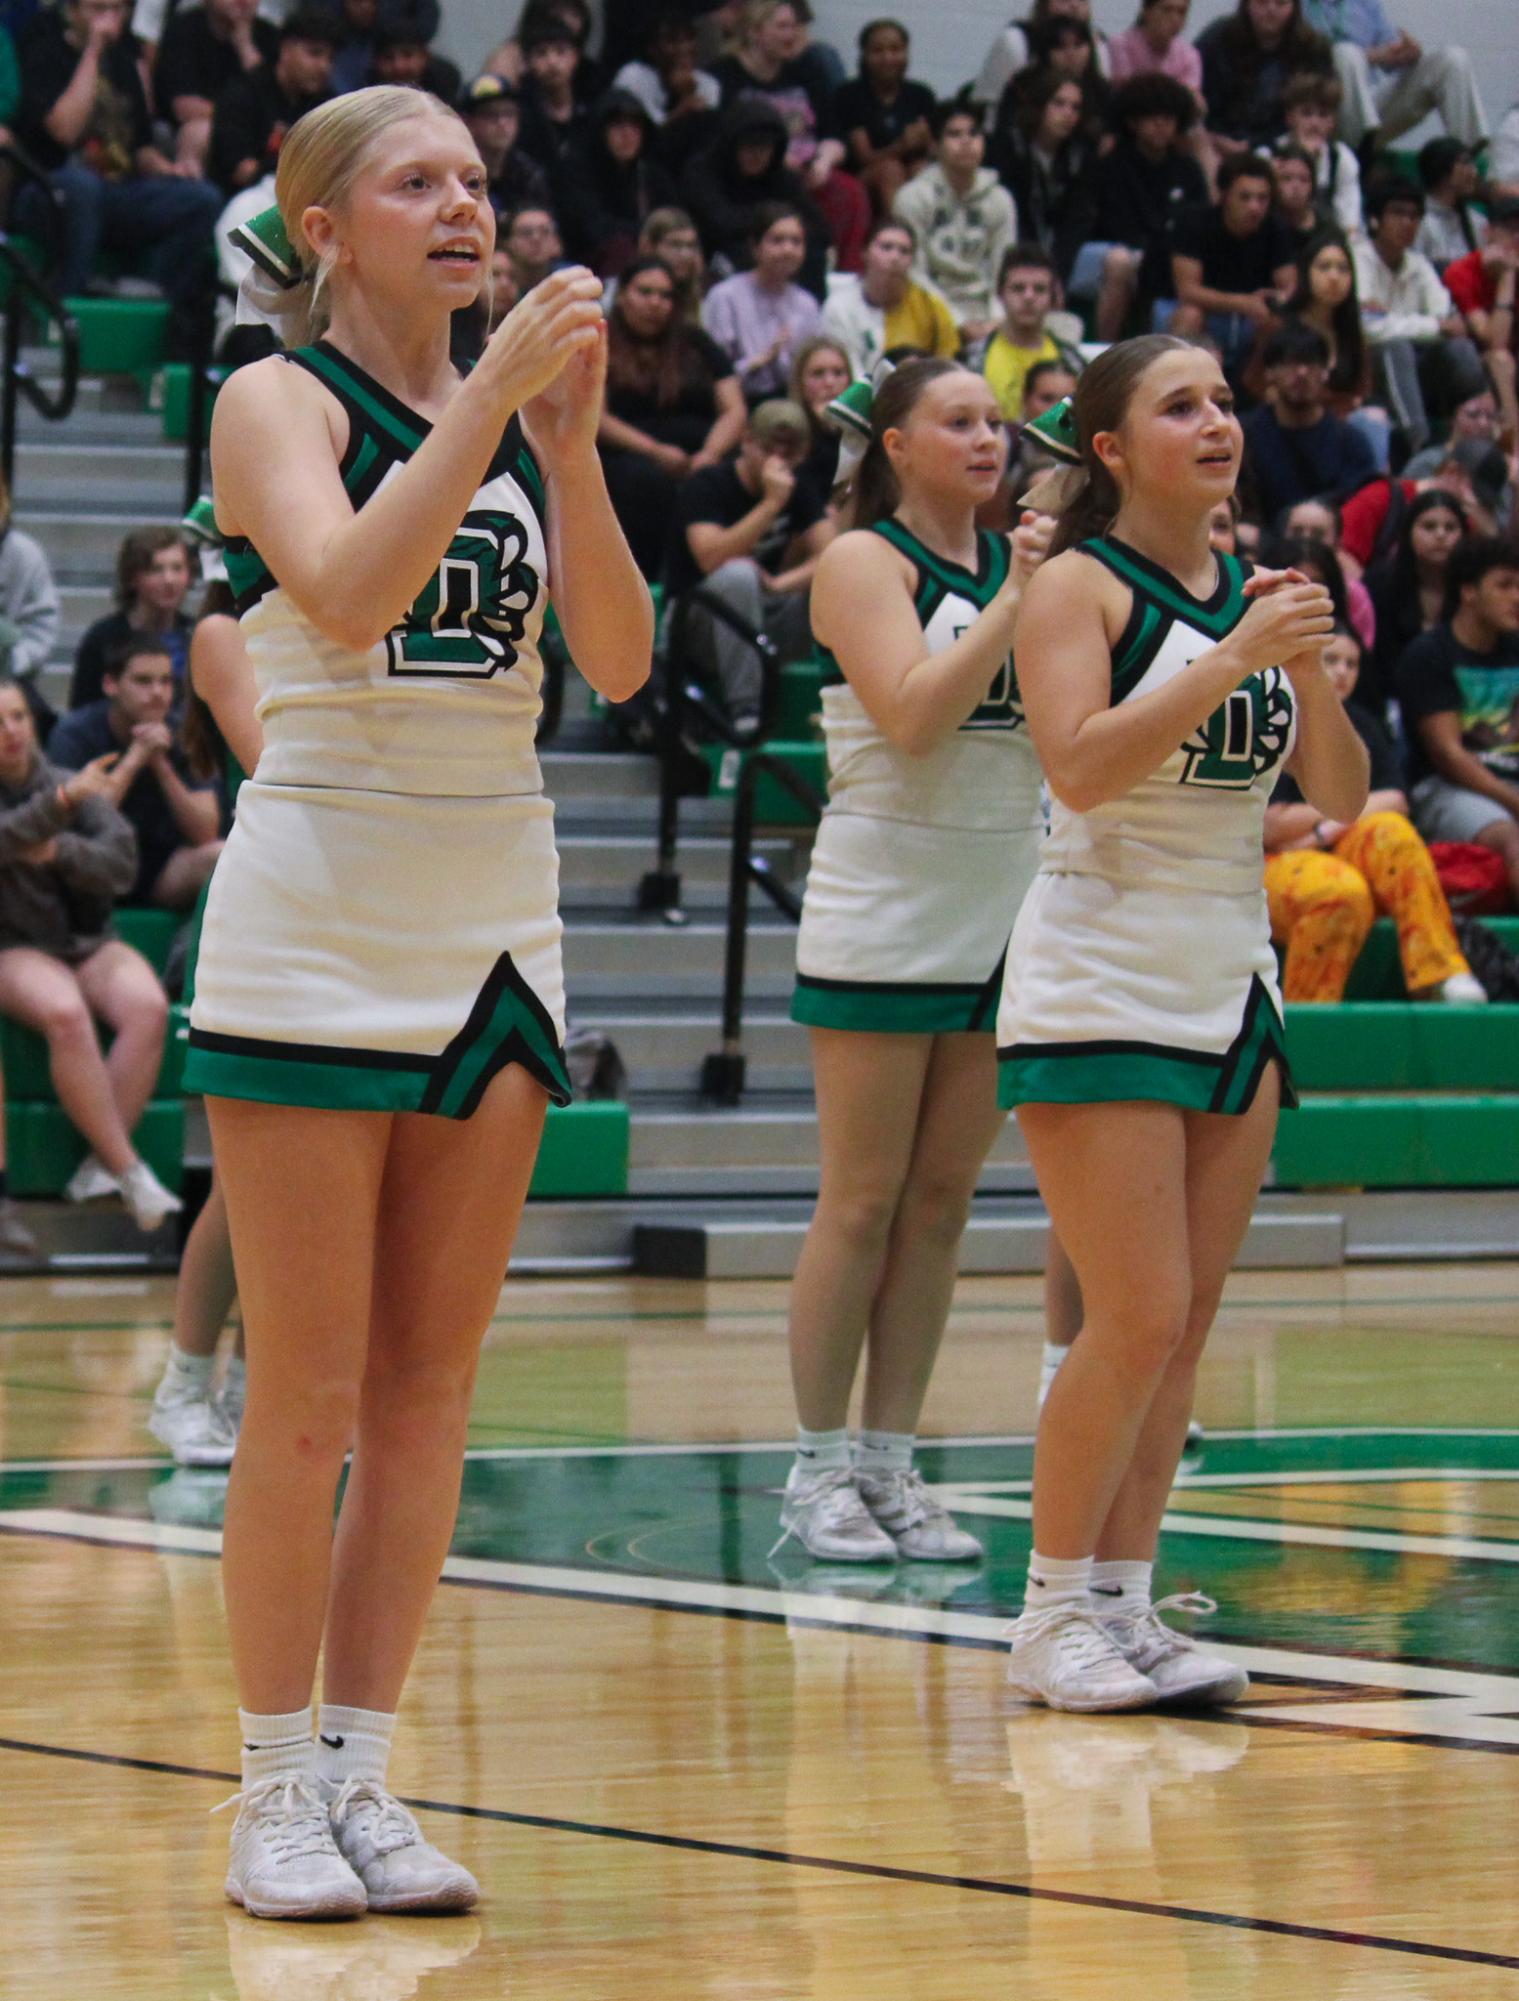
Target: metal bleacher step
<point>600,869</point>
<point>664,1048</point>
<point>644,960</point>
<point>147,479</point>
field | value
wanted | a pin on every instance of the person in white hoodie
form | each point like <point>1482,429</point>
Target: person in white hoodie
<point>28,601</point>
<point>964,220</point>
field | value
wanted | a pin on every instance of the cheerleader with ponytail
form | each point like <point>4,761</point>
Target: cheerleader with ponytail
<point>1140,1031</point>
<point>928,843</point>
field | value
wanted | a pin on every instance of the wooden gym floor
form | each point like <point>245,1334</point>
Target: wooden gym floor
<point>685,1769</point>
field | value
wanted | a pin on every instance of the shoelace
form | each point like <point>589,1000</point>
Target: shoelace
<point>1089,1646</point>
<point>304,1828</point>
<point>908,1501</point>
<point>835,1505</point>
<point>392,1827</point>
<point>1146,1619</point>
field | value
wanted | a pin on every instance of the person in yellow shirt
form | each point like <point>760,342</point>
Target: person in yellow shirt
<point>1027,290</point>
<point>885,307</point>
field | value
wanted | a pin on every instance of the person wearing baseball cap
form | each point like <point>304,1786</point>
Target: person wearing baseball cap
<point>492,109</point>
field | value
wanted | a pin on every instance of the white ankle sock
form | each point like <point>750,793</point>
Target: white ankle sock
<point>185,1376</point>
<point>1049,1367</point>
<point>353,1743</point>
<point>277,1747</point>
<point>821,1451</point>
<point>1055,1580</point>
<point>1121,1582</point>
<point>879,1452</point>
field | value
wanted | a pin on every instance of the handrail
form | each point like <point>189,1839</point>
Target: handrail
<point>722,1073</point>
<point>23,285</point>
<point>684,700</point>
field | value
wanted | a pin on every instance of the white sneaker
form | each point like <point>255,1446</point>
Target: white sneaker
<point>1179,1668</point>
<point>91,1181</point>
<point>1063,1657</point>
<point>146,1197</point>
<point>825,1513</point>
<point>1460,990</point>
<point>194,1430</point>
<point>383,1844</point>
<point>284,1862</point>
<point>922,1529</point>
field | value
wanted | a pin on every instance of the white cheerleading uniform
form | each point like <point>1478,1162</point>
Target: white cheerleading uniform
<point>1141,963</point>
<point>382,931</point>
<point>920,863</point>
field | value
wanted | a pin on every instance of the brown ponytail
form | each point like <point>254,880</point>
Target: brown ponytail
<point>876,492</point>
<point>1104,391</point>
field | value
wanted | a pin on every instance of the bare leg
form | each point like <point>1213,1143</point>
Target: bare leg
<point>1113,1177</point>
<point>207,1280</point>
<point>1120,282</point>
<point>1062,1296</point>
<point>449,1208</point>
<point>303,1195</point>
<point>124,991</point>
<point>869,1088</point>
<point>1503,838</point>
<point>957,1121</point>
<point>1226,1160</point>
<point>184,875</point>
<point>46,995</point>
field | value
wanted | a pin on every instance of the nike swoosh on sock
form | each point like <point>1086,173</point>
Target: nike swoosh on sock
<point>1098,1591</point>
<point>334,1743</point>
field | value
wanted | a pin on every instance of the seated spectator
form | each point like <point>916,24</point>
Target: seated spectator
<point>556,93</point>
<point>507,59</point>
<point>1473,472</point>
<point>885,307</point>
<point>1294,447</point>
<point>203,50</point>
<point>1318,521</point>
<point>1045,163</point>
<point>1326,882</point>
<point>1503,156</point>
<point>759,318</point>
<point>1451,226</point>
<point>607,185</point>
<point>533,244</point>
<point>359,24</point>
<point>1481,284</point>
<point>673,407</point>
<point>819,372</point>
<point>1408,583</point>
<point>965,221</point>
<point>670,235</point>
<point>1231,262</point>
<point>1009,53</point>
<point>68,855</point>
<point>1424,359</point>
<point>84,119</point>
<point>1390,80</point>
<point>153,579</point>
<point>1028,291</point>
<point>491,109</point>
<point>770,61</point>
<point>402,57</point>
<point>819,62</point>
<point>1482,420</point>
<point>1146,180</point>
<point>751,529</point>
<point>1324,297</point>
<point>1157,44</point>
<point>254,113</point>
<point>680,98</point>
<point>28,605</point>
<point>883,115</point>
<point>1458,688</point>
<point>1311,104</point>
<point>1294,201</point>
<point>175,817</point>
<point>1248,58</point>
<point>1043,386</point>
<point>745,165</point>
<point>1069,48</point>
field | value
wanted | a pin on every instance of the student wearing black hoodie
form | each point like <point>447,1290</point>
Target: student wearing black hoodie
<point>606,184</point>
<point>744,166</point>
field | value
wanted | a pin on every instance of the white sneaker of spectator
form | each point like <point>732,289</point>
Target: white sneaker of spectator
<point>91,1181</point>
<point>147,1200</point>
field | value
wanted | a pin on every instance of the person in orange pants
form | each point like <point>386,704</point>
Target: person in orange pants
<point>1326,883</point>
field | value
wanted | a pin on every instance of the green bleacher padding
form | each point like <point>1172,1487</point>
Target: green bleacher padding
<point>801,697</point>
<point>584,1151</point>
<point>1404,1046</point>
<point>43,1149</point>
<point>150,932</point>
<point>1378,974</point>
<point>174,382</point>
<point>774,804</point>
<point>1387,1142</point>
<point>120,336</point>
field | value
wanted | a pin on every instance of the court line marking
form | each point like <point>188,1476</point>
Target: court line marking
<point>839,1865</point>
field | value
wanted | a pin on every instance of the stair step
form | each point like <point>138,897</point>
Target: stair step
<point>1403,1046</point>
<point>1430,1141</point>
<point>147,478</point>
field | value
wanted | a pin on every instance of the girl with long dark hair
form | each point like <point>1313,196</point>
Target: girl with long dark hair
<point>1140,1032</point>
<point>1248,58</point>
<point>1044,158</point>
<point>1408,586</point>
